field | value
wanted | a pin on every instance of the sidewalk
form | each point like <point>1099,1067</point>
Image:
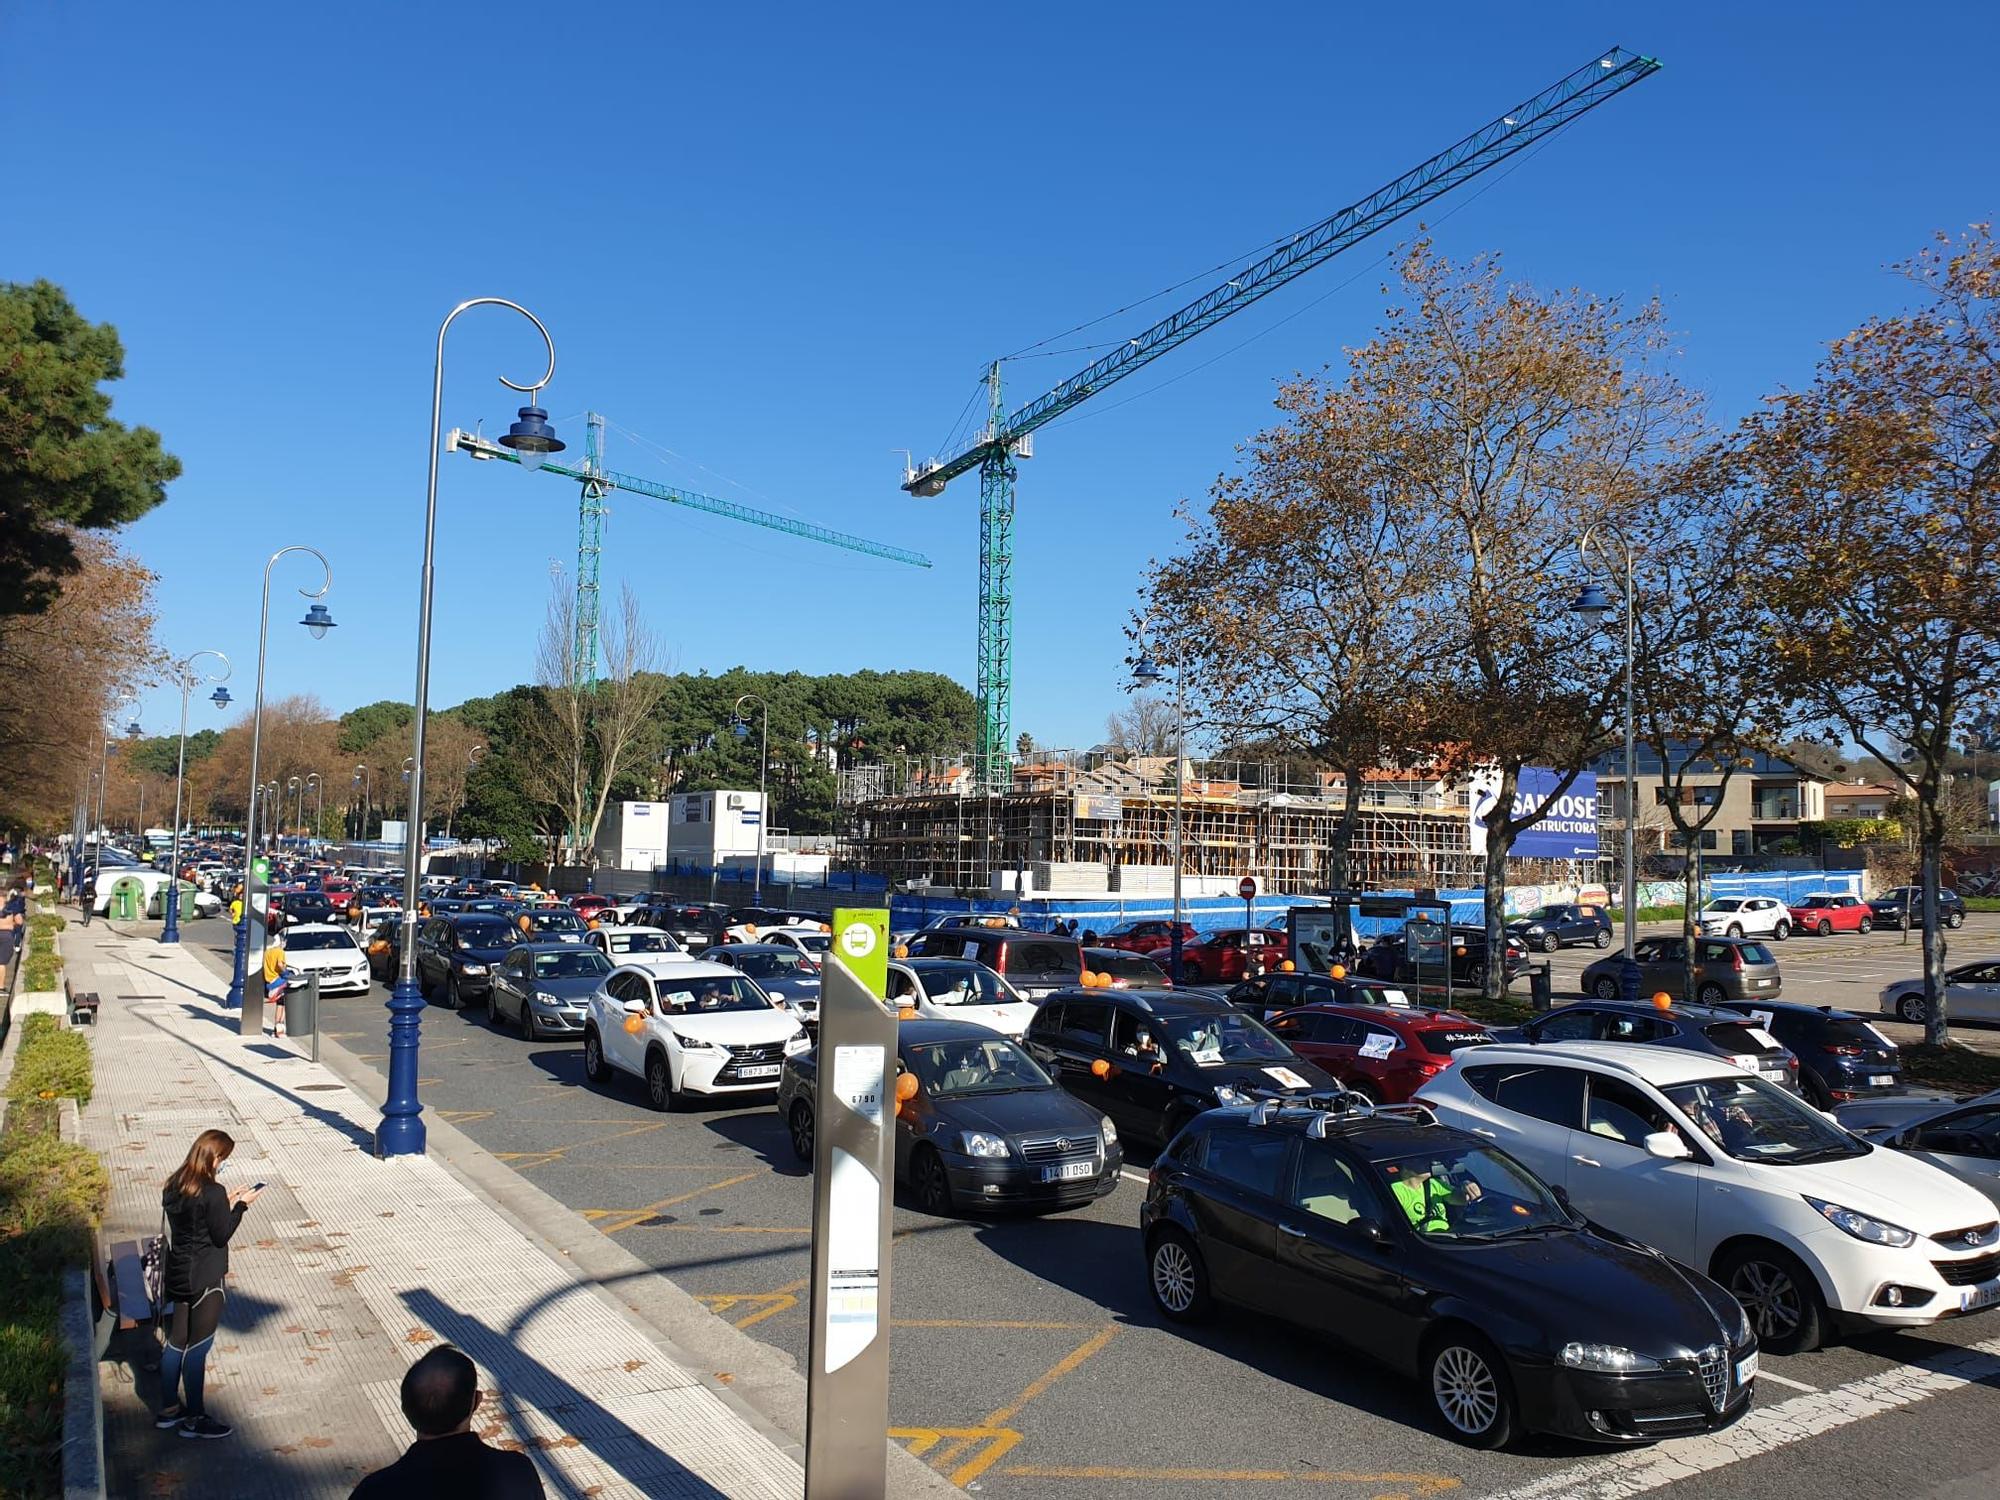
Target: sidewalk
<point>347,1268</point>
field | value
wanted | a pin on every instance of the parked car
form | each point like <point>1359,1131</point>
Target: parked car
<point>591,905</point>
<point>1383,1053</point>
<point>1128,969</point>
<point>1035,963</point>
<point>456,954</point>
<point>1716,1032</point>
<point>619,944</point>
<point>330,951</point>
<point>811,943</point>
<point>957,989</point>
<point>1561,925</point>
<point>1725,969</point>
<point>1223,957</point>
<point>1745,916</point>
<point>545,988</point>
<point>1959,1136</point>
<point>1830,912</point>
<point>300,907</point>
<point>1388,958</point>
<point>1904,907</point>
<point>761,917</point>
<point>1148,936</point>
<point>1971,993</point>
<point>703,1029</point>
<point>692,926</point>
<point>1166,1056</point>
<point>1804,1222</point>
<point>1429,1250</point>
<point>781,972</point>
<point>986,1129</point>
<point>385,948</point>
<point>1840,1056</point>
<point>549,924</point>
<point>1274,994</point>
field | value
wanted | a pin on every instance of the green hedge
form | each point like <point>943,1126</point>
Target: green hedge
<point>52,1063</point>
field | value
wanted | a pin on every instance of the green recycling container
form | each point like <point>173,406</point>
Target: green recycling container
<point>128,894</point>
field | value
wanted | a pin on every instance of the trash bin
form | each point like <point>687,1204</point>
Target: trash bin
<point>128,898</point>
<point>1541,987</point>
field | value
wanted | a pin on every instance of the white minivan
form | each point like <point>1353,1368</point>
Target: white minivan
<point>1805,1223</point>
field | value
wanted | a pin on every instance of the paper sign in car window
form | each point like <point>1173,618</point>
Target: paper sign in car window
<point>1378,1045</point>
<point>1288,1078</point>
<point>1395,997</point>
<point>1762,1037</point>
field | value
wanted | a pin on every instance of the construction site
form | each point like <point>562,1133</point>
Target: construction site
<point>1077,823</point>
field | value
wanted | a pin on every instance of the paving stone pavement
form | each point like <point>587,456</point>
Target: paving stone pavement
<point>347,1268</point>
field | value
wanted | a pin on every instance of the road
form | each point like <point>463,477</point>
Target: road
<point>1028,1361</point>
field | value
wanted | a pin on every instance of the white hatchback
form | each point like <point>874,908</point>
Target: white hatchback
<point>960,989</point>
<point>1801,1220</point>
<point>687,1028</point>
<point>648,946</point>
<point>330,951</point>
<point>1745,916</point>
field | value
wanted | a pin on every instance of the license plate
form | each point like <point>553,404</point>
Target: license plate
<point>1880,1080</point>
<point>1762,984</point>
<point>1984,1295</point>
<point>1746,1369</point>
<point>760,1070</point>
<point>1069,1171</point>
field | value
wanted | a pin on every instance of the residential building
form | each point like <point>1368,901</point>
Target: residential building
<point>1859,799</point>
<point>1763,801</point>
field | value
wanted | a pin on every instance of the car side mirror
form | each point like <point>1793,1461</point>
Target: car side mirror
<point>635,1007</point>
<point>1372,1231</point>
<point>1561,1195</point>
<point>1667,1146</point>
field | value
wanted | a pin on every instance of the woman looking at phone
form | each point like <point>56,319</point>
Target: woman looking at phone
<point>200,1215</point>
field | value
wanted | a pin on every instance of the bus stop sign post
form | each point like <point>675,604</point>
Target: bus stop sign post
<point>854,1124</point>
<point>1247,889</point>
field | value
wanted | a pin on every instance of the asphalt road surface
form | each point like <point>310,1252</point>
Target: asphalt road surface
<point>1028,1361</point>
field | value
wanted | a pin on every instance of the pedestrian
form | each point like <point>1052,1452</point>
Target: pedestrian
<point>448,1461</point>
<point>200,1216</point>
<point>274,979</point>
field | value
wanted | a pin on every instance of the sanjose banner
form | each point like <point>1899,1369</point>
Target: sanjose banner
<point>1568,830</point>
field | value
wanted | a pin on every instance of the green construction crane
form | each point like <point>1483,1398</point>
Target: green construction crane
<point>1006,438</point>
<point>598,482</point>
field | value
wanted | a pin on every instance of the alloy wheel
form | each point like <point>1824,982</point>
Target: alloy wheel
<point>659,1082</point>
<point>1913,1008</point>
<point>933,1187</point>
<point>593,1057</point>
<point>1173,1276</point>
<point>801,1124</point>
<point>1770,1296</point>
<point>1465,1389</point>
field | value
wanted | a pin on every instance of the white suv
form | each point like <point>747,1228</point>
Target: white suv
<point>687,1027</point>
<point>1798,1218</point>
<point>1745,916</point>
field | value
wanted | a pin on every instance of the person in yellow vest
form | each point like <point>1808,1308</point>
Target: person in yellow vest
<point>274,981</point>
<point>1429,1200</point>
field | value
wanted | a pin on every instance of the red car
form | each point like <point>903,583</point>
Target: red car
<point>1384,1052</point>
<point>1219,957</point>
<point>591,906</point>
<point>1148,936</point>
<point>1828,913</point>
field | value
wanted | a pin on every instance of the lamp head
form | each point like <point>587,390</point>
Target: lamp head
<point>319,621</point>
<point>133,731</point>
<point>220,697</point>
<point>1145,669</point>
<point>532,438</point>
<point>1591,603</point>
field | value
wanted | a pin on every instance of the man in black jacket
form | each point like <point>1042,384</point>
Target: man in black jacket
<point>447,1461</point>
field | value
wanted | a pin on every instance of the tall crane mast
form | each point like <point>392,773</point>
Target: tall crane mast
<point>598,482</point>
<point>1007,437</point>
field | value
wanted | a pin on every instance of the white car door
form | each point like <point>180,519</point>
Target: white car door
<point>1975,994</point>
<point>1615,1180</point>
<point>1529,1110</point>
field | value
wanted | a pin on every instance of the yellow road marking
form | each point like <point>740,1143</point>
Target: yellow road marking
<point>1410,1485</point>
<point>984,1323</point>
<point>522,1160</point>
<point>771,1303</point>
<point>1040,1385</point>
<point>921,1440</point>
<point>463,1116</point>
<point>998,1436</point>
<point>627,1218</point>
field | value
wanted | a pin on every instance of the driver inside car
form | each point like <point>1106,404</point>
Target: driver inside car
<point>1428,1198</point>
<point>969,1070</point>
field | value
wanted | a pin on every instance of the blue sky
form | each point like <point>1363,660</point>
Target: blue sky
<point>781,241</point>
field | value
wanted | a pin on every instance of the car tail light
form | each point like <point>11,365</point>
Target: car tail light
<point>1736,959</point>
<point>1841,1050</point>
<point>1792,1064</point>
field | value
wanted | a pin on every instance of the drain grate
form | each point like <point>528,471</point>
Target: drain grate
<point>142,997</point>
<point>307,1088</point>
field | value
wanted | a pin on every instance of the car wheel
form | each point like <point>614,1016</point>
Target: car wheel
<point>1475,975</point>
<point>1711,994</point>
<point>928,1177</point>
<point>1604,987</point>
<point>1173,1124</point>
<point>530,1027</point>
<point>1818,1095</point>
<point>1549,943</point>
<point>1825,928</point>
<point>1735,930</point>
<point>800,1126</point>
<point>659,1081</point>
<point>1914,1008</point>
<point>1364,1088</point>
<point>1603,939</point>
<point>1954,919</point>
<point>1778,1293</point>
<point>1865,926</point>
<point>1782,931</point>
<point>1470,1389</point>
<point>1178,1278</point>
<point>593,1058</point>
<point>496,1014</point>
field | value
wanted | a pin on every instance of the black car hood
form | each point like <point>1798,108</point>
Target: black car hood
<point>1589,1288</point>
<point>1031,1110</point>
<point>1254,1076</point>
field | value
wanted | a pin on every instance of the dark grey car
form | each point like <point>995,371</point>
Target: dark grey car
<point>545,988</point>
<point>1960,1136</point>
<point>1725,969</point>
<point>781,971</point>
<point>1727,1034</point>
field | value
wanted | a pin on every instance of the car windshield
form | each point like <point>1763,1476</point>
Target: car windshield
<point>1466,1192</point>
<point>964,984</point>
<point>558,921</point>
<point>703,997</point>
<point>307,942</point>
<point>1209,1041</point>
<point>782,964</point>
<point>577,963</point>
<point>1753,1121</point>
<point>812,942</point>
<point>1726,903</point>
<point>642,942</point>
<point>1817,901</point>
<point>1545,914</point>
<point>987,1065</point>
<point>1125,966</point>
<point>484,934</point>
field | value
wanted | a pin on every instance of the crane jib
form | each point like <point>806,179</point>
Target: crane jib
<point>1607,74</point>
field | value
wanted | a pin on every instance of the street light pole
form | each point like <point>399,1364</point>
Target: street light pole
<point>763,799</point>
<point>364,778</point>
<point>170,930</point>
<point>314,781</point>
<point>1592,605</point>
<point>103,774</point>
<point>298,790</point>
<point>317,622</point>
<point>1147,671</point>
<point>401,1132</point>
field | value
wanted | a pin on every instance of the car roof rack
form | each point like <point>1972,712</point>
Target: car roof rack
<point>1340,1106</point>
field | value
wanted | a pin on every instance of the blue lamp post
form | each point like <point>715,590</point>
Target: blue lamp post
<point>170,929</point>
<point>1147,673</point>
<point>401,1132</point>
<point>1593,605</point>
<point>317,623</point>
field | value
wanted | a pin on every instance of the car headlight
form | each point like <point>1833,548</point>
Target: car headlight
<point>472,968</point>
<point>692,1043</point>
<point>797,1042</point>
<point>1534,931</point>
<point>542,997</point>
<point>1109,1132</point>
<point>979,1143</point>
<point>1608,1359</point>
<point>1874,1231</point>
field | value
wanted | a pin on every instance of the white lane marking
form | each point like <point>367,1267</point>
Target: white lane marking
<point>1790,1385</point>
<point>1767,1429</point>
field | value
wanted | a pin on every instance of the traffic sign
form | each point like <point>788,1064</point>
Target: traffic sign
<point>1247,888</point>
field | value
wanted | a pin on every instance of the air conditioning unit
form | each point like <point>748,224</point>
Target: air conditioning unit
<point>735,800</point>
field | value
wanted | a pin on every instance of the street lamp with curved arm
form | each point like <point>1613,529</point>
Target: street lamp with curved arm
<point>1591,603</point>
<point>1147,672</point>
<point>401,1131</point>
<point>763,769</point>
<point>365,779</point>
<point>318,786</point>
<point>317,623</point>
<point>185,675</point>
<point>297,788</point>
<point>103,774</point>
